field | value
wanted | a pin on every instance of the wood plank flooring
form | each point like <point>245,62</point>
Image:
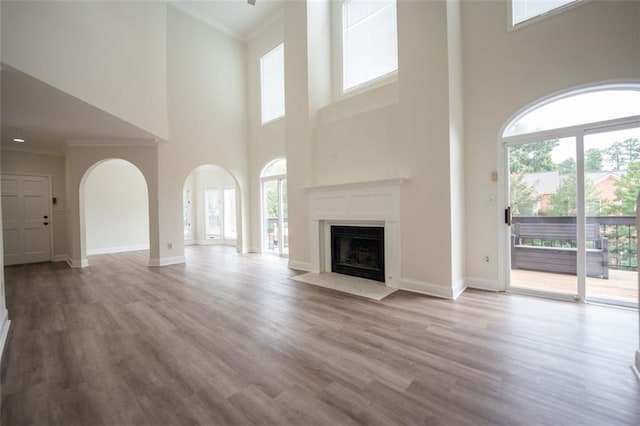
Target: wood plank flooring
<point>231,339</point>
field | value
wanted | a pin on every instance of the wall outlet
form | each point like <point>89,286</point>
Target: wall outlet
<point>487,259</point>
<point>169,245</point>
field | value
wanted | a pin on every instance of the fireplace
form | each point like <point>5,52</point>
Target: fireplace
<point>358,251</point>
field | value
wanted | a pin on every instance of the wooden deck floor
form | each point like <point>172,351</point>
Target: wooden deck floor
<point>230,339</point>
<point>621,285</point>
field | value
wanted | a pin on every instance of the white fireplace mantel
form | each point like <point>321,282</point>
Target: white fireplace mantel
<point>370,203</point>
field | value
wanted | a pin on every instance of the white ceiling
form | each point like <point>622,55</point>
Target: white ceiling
<point>234,17</point>
<point>48,118</point>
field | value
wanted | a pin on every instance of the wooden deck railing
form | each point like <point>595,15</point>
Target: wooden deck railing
<point>621,231</point>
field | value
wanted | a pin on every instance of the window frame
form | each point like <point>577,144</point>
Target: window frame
<point>338,58</point>
<point>261,80</point>
<point>535,19</point>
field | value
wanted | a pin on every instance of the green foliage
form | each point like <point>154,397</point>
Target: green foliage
<point>524,197</point>
<point>621,154</point>
<point>532,157</point>
<point>593,161</point>
<point>627,188</point>
<point>564,201</point>
<point>567,166</point>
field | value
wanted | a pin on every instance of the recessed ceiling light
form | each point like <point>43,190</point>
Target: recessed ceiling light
<point>18,140</point>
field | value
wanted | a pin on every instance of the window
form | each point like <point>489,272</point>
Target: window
<point>230,232</point>
<point>275,217</point>
<point>272,84</point>
<point>214,213</point>
<point>523,10</point>
<point>186,214</point>
<point>369,41</point>
<point>577,109</point>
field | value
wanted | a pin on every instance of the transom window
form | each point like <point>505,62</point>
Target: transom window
<point>272,84</point>
<point>578,109</point>
<point>524,10</point>
<point>369,41</point>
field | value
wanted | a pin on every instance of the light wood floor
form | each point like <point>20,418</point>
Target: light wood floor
<point>230,339</point>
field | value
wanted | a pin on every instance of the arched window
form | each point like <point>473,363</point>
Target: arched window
<point>576,109</point>
<point>573,167</point>
<point>275,217</point>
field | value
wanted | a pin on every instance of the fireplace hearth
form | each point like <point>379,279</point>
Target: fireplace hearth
<point>358,251</point>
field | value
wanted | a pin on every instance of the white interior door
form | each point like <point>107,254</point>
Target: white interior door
<point>26,219</point>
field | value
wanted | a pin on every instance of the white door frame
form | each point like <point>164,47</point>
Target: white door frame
<point>49,204</point>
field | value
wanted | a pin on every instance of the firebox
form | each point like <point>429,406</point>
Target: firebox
<point>358,251</point>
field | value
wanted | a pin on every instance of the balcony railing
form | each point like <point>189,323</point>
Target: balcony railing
<point>621,232</point>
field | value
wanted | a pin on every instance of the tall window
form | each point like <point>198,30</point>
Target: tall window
<point>369,41</point>
<point>230,232</point>
<point>523,10</point>
<point>272,84</point>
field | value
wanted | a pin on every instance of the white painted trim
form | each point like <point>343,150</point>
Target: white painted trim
<point>393,181</point>
<point>299,266</point>
<point>77,263</point>
<point>102,142</point>
<point>60,258</point>
<point>121,249</point>
<point>636,367</point>
<point>34,150</point>
<point>482,284</point>
<point>165,261</point>
<point>458,288</point>
<point>426,288</point>
<point>4,330</point>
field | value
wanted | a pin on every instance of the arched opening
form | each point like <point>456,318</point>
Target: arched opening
<point>211,207</point>
<point>116,208</point>
<point>274,211</point>
<point>573,167</point>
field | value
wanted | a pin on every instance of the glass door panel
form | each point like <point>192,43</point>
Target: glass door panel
<point>611,185</point>
<point>271,216</point>
<point>230,231</point>
<point>285,217</point>
<point>543,202</point>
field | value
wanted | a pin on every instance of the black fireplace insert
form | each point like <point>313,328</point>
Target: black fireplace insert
<point>358,251</point>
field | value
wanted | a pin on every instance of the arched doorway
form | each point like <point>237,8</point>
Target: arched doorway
<point>116,208</point>
<point>210,207</point>
<point>573,167</point>
<point>274,211</point>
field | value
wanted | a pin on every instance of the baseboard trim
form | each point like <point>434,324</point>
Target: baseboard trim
<point>166,261</point>
<point>77,263</point>
<point>458,288</point>
<point>4,331</point>
<point>482,284</point>
<point>426,288</point>
<point>299,266</point>
<point>121,249</point>
<point>60,258</point>
<point>636,367</point>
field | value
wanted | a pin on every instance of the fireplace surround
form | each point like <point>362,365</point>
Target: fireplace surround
<point>363,204</point>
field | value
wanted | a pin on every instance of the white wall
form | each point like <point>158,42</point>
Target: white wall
<point>116,208</point>
<point>48,165</point>
<point>506,71</point>
<point>206,73</point>
<point>109,54</point>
